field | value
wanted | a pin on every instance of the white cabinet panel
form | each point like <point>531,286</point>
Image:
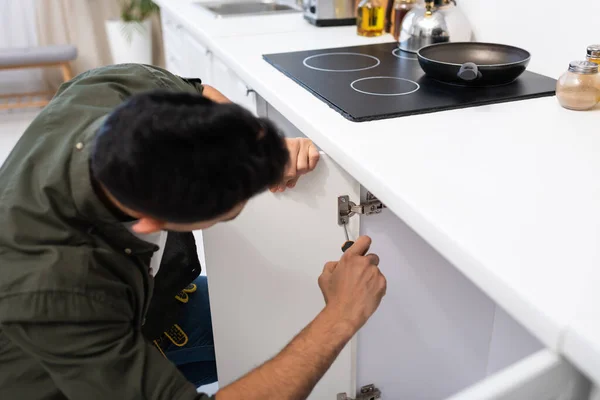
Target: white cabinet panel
<point>437,336</point>
<point>199,237</point>
<point>184,54</point>
<point>175,64</point>
<point>172,40</point>
<point>199,60</point>
<point>282,123</point>
<point>542,376</point>
<point>430,337</point>
<point>510,341</point>
<point>262,274</point>
<point>228,83</point>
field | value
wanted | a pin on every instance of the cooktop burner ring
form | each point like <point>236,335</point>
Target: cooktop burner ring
<point>398,53</point>
<point>306,64</point>
<point>405,93</point>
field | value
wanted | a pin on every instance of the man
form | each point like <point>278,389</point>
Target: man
<point>86,197</point>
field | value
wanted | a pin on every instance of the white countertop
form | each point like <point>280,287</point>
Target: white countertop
<point>207,26</point>
<point>509,193</point>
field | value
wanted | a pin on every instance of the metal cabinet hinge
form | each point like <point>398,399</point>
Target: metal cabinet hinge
<point>347,208</point>
<point>369,392</point>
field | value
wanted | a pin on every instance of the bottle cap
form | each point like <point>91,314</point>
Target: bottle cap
<point>593,51</point>
<point>583,67</point>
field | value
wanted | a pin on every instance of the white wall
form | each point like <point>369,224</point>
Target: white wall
<point>18,29</point>
<point>555,32</point>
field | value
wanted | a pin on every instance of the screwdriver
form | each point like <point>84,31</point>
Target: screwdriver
<point>349,242</point>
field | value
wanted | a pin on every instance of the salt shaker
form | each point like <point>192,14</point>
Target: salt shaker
<point>579,88</point>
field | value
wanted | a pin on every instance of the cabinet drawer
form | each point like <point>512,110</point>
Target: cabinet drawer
<point>541,376</point>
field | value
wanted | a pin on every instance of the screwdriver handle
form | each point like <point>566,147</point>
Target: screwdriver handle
<point>347,245</point>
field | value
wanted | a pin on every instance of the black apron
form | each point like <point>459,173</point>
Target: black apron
<point>179,267</point>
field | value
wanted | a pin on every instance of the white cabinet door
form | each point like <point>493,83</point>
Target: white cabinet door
<point>282,123</point>
<point>228,83</point>
<point>175,64</point>
<point>172,40</point>
<point>199,60</point>
<point>262,273</point>
<point>184,54</point>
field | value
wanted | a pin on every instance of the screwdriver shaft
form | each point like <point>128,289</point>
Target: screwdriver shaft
<point>346,231</point>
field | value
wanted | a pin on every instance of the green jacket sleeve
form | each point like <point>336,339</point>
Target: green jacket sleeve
<point>101,361</point>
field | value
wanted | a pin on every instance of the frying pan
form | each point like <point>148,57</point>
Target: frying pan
<point>473,63</point>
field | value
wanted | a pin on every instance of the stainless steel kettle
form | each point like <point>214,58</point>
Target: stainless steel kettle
<point>436,22</point>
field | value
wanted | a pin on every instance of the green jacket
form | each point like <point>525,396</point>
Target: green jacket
<point>74,282</point>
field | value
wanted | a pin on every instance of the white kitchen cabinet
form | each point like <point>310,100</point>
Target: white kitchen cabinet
<point>185,55</point>
<point>435,336</point>
<point>199,60</point>
<point>268,111</point>
<point>173,34</point>
<point>228,83</point>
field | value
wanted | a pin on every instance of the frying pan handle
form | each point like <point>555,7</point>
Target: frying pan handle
<point>469,72</point>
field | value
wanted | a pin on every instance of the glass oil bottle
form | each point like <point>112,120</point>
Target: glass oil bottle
<point>593,53</point>
<point>370,18</point>
<point>399,10</point>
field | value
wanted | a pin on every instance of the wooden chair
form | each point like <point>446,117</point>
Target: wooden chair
<point>35,57</point>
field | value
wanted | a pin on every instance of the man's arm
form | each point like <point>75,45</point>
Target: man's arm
<point>293,373</point>
<point>213,94</point>
<point>353,289</point>
<point>111,360</point>
<point>101,360</point>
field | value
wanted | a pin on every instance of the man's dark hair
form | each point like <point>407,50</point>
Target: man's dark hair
<point>181,157</point>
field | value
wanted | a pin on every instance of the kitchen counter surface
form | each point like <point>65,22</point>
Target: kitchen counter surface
<point>206,26</point>
<point>509,193</point>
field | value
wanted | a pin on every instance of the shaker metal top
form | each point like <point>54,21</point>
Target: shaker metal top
<point>583,67</point>
<point>593,51</point>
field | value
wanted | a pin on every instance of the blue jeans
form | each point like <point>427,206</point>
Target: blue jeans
<point>196,360</point>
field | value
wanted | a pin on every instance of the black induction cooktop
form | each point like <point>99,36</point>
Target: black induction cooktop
<point>379,81</point>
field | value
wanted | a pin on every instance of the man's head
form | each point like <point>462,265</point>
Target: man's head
<point>179,161</point>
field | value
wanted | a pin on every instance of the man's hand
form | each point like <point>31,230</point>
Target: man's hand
<point>303,159</point>
<point>303,153</point>
<point>354,286</point>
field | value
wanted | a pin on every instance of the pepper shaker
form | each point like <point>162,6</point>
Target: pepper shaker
<point>579,88</point>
